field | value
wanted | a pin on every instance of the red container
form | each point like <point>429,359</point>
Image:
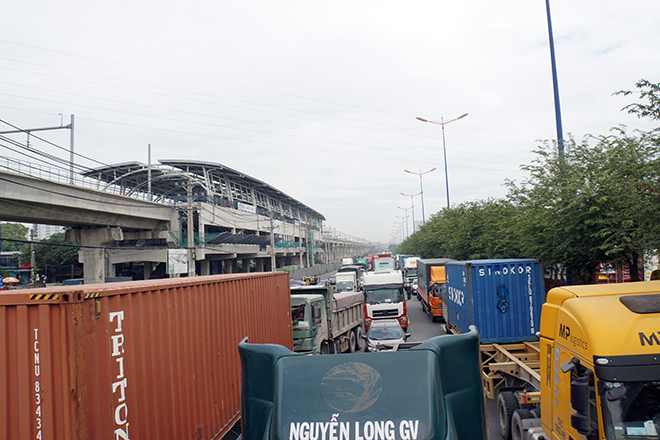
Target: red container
<point>145,360</point>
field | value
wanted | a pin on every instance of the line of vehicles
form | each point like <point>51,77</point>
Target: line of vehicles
<point>580,362</point>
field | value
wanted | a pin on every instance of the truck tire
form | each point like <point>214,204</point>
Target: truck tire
<point>351,341</point>
<point>358,338</point>
<point>506,406</point>
<point>516,423</point>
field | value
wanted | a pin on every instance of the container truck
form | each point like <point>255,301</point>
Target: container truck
<point>587,367</point>
<point>431,285</point>
<point>325,321</point>
<point>365,396</point>
<point>152,359</point>
<point>384,297</point>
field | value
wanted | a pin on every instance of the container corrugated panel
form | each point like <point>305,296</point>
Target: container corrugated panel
<point>151,359</point>
<point>502,298</point>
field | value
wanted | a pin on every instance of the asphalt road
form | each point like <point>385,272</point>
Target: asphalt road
<point>421,328</point>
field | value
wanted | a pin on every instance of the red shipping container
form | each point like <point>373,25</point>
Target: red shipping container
<point>153,359</point>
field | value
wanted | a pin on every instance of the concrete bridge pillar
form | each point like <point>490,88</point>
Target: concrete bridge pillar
<point>93,258</point>
<point>260,264</point>
<point>205,267</point>
<point>148,270</point>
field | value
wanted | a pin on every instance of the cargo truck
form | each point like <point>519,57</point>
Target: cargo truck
<point>409,272</point>
<point>384,297</point>
<point>590,368</point>
<point>355,269</point>
<point>346,281</point>
<point>325,321</point>
<point>431,285</point>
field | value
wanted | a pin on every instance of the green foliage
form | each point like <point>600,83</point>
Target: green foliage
<point>597,203</point>
<point>648,92</point>
<point>471,230</point>
<point>14,231</point>
<point>53,256</point>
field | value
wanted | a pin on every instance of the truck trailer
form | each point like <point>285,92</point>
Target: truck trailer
<point>153,359</point>
<point>325,321</point>
<point>592,370</point>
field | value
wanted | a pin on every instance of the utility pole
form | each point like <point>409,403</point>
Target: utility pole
<point>61,127</point>
<point>273,263</point>
<point>71,152</point>
<point>191,233</point>
<point>32,259</point>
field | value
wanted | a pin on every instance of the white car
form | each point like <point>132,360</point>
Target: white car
<point>413,288</point>
<point>383,335</point>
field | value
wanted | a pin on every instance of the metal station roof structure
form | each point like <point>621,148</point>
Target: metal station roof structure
<point>212,182</point>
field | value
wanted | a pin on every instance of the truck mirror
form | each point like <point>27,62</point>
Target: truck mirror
<point>581,423</point>
<point>580,395</point>
<point>580,403</point>
<point>614,394</point>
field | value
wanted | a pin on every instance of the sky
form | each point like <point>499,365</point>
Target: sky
<point>320,99</point>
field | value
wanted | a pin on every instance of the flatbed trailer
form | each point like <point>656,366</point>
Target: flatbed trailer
<point>512,366</point>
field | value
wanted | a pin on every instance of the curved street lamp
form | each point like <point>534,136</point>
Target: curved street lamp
<point>442,123</point>
<point>421,189</point>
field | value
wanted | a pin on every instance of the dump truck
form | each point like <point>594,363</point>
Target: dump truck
<point>325,321</point>
<point>384,297</point>
<point>431,285</point>
<point>592,372</point>
<point>363,396</point>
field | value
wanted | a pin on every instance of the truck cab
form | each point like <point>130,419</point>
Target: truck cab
<point>602,350</point>
<point>309,322</point>
<point>384,297</point>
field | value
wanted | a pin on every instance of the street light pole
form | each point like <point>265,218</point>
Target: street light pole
<point>555,84</point>
<point>406,209</point>
<point>444,146</point>
<point>421,189</point>
<point>412,204</point>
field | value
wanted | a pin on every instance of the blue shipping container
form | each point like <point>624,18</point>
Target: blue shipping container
<point>502,298</point>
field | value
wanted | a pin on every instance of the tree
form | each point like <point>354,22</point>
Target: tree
<point>52,255</point>
<point>596,204</point>
<point>648,92</point>
<point>14,231</point>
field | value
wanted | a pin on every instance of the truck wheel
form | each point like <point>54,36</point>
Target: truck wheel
<point>516,423</point>
<point>351,342</point>
<point>506,406</point>
<point>434,318</point>
<point>358,338</point>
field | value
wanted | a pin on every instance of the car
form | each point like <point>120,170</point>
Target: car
<point>413,288</point>
<point>384,335</point>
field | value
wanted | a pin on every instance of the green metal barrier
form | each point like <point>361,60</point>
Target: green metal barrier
<point>432,391</point>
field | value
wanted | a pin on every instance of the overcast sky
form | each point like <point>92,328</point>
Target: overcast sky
<point>319,99</point>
